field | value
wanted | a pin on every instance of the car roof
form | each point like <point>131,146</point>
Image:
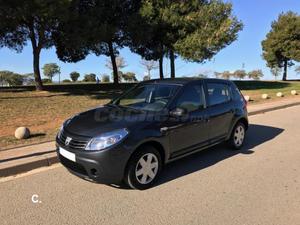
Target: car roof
<point>181,81</point>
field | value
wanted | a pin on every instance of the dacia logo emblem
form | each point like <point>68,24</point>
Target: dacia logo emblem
<point>68,140</point>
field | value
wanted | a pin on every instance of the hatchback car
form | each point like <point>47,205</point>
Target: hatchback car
<point>131,138</point>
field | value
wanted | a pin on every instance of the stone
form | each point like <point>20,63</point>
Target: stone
<point>247,98</point>
<point>294,92</point>
<point>264,96</point>
<point>279,94</point>
<point>22,133</point>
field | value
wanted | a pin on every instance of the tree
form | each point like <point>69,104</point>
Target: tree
<point>297,70</point>
<point>147,32</point>
<point>28,79</point>
<point>120,64</point>
<point>255,74</point>
<point>89,77</point>
<point>35,21</point>
<point>74,76</point>
<point>149,66</point>
<point>11,78</point>
<point>145,78</point>
<point>203,29</point>
<point>275,71</point>
<point>240,74</point>
<point>224,75</point>
<point>282,44</point>
<point>129,77</point>
<point>201,75</point>
<point>50,70</point>
<point>195,30</point>
<point>4,75</point>
<point>102,34</point>
<point>105,78</point>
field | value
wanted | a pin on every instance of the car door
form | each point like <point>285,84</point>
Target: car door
<point>190,131</point>
<point>220,109</point>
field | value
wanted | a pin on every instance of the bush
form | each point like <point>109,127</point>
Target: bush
<point>46,81</point>
<point>105,78</point>
<point>66,81</point>
<point>89,77</point>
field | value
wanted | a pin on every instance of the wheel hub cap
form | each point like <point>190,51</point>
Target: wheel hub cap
<point>239,135</point>
<point>146,168</point>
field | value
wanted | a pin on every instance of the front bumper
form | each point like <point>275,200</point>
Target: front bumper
<point>106,166</point>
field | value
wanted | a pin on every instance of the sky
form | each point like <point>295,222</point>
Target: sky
<point>245,52</point>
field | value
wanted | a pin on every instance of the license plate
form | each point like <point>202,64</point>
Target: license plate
<point>67,154</point>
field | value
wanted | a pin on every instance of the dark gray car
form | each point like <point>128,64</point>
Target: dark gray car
<point>156,122</point>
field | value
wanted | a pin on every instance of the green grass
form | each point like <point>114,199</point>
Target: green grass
<point>256,88</point>
<point>44,112</point>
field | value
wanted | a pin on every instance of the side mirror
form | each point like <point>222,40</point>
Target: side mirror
<point>178,112</point>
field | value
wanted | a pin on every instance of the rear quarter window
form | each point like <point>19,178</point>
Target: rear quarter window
<point>236,93</point>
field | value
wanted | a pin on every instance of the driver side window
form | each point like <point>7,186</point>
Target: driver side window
<point>191,99</point>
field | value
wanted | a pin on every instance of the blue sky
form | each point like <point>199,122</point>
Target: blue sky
<point>256,16</point>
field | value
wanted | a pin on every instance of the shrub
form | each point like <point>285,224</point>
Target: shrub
<point>105,78</point>
<point>66,81</point>
<point>46,81</point>
<point>89,77</point>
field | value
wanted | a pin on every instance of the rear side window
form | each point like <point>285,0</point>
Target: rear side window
<point>218,93</point>
<point>191,99</point>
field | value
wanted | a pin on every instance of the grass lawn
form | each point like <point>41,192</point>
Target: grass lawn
<point>44,112</point>
<point>256,88</point>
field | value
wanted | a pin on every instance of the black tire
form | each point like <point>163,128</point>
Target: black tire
<point>233,140</point>
<point>130,176</point>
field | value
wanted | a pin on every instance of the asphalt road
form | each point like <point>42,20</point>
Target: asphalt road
<point>258,185</point>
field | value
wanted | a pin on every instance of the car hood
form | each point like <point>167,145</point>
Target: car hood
<point>104,119</point>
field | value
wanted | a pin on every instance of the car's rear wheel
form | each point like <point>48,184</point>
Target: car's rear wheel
<point>237,137</point>
<point>143,168</point>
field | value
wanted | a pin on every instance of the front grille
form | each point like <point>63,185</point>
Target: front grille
<point>75,143</point>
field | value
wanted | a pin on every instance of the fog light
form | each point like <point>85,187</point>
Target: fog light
<point>94,172</point>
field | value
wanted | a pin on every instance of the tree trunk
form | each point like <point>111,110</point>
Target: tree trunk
<point>172,59</point>
<point>113,63</point>
<point>285,70</point>
<point>161,67</point>
<point>36,69</point>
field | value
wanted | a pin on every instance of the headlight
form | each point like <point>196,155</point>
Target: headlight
<point>106,140</point>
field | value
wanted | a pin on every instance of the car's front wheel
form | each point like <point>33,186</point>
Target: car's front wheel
<point>237,137</point>
<point>143,168</point>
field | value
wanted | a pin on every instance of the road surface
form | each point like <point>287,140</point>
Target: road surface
<point>258,185</point>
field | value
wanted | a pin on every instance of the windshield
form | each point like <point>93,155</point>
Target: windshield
<point>148,97</point>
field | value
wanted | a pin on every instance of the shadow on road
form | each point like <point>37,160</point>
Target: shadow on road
<point>256,135</point>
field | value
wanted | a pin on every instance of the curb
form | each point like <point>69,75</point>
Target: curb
<point>26,165</point>
<point>272,108</point>
<point>51,158</point>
